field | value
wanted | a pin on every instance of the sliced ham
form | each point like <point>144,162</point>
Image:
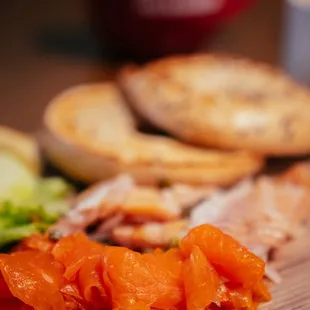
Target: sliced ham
<point>121,201</point>
<point>150,235</point>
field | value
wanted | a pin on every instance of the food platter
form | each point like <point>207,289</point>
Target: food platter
<point>208,209</point>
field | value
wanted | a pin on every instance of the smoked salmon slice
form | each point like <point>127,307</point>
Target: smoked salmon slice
<point>229,257</point>
<point>34,278</point>
<point>72,251</point>
<point>36,242</point>
<point>140,281</point>
<point>210,270</point>
<point>201,282</point>
<point>90,279</point>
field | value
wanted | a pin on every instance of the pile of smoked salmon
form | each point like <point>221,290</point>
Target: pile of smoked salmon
<point>209,270</point>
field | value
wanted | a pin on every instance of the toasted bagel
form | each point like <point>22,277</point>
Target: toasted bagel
<point>21,145</point>
<point>222,101</point>
<point>91,135</point>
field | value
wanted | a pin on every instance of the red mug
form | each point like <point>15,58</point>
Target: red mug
<point>148,28</point>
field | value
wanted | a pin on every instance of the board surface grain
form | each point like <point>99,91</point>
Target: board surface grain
<point>293,262</point>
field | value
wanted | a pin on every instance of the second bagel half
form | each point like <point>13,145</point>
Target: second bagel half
<point>90,133</point>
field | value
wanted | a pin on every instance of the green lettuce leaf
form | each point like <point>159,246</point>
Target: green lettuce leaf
<point>28,203</point>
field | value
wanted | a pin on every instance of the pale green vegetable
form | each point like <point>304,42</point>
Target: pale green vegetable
<point>14,175</point>
<point>28,204</point>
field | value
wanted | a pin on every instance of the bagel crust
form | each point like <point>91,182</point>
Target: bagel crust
<point>91,135</point>
<point>223,102</point>
<point>23,146</point>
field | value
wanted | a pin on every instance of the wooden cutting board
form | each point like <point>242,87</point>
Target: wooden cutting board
<point>293,261</point>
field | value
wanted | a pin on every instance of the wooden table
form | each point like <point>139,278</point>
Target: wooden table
<point>30,76</point>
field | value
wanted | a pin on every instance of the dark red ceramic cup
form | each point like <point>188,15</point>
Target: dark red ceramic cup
<point>146,28</point>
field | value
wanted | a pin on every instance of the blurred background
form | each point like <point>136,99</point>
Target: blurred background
<point>47,46</point>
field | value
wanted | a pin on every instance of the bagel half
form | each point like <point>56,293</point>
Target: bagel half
<point>224,102</point>
<point>22,146</point>
<point>91,135</point>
